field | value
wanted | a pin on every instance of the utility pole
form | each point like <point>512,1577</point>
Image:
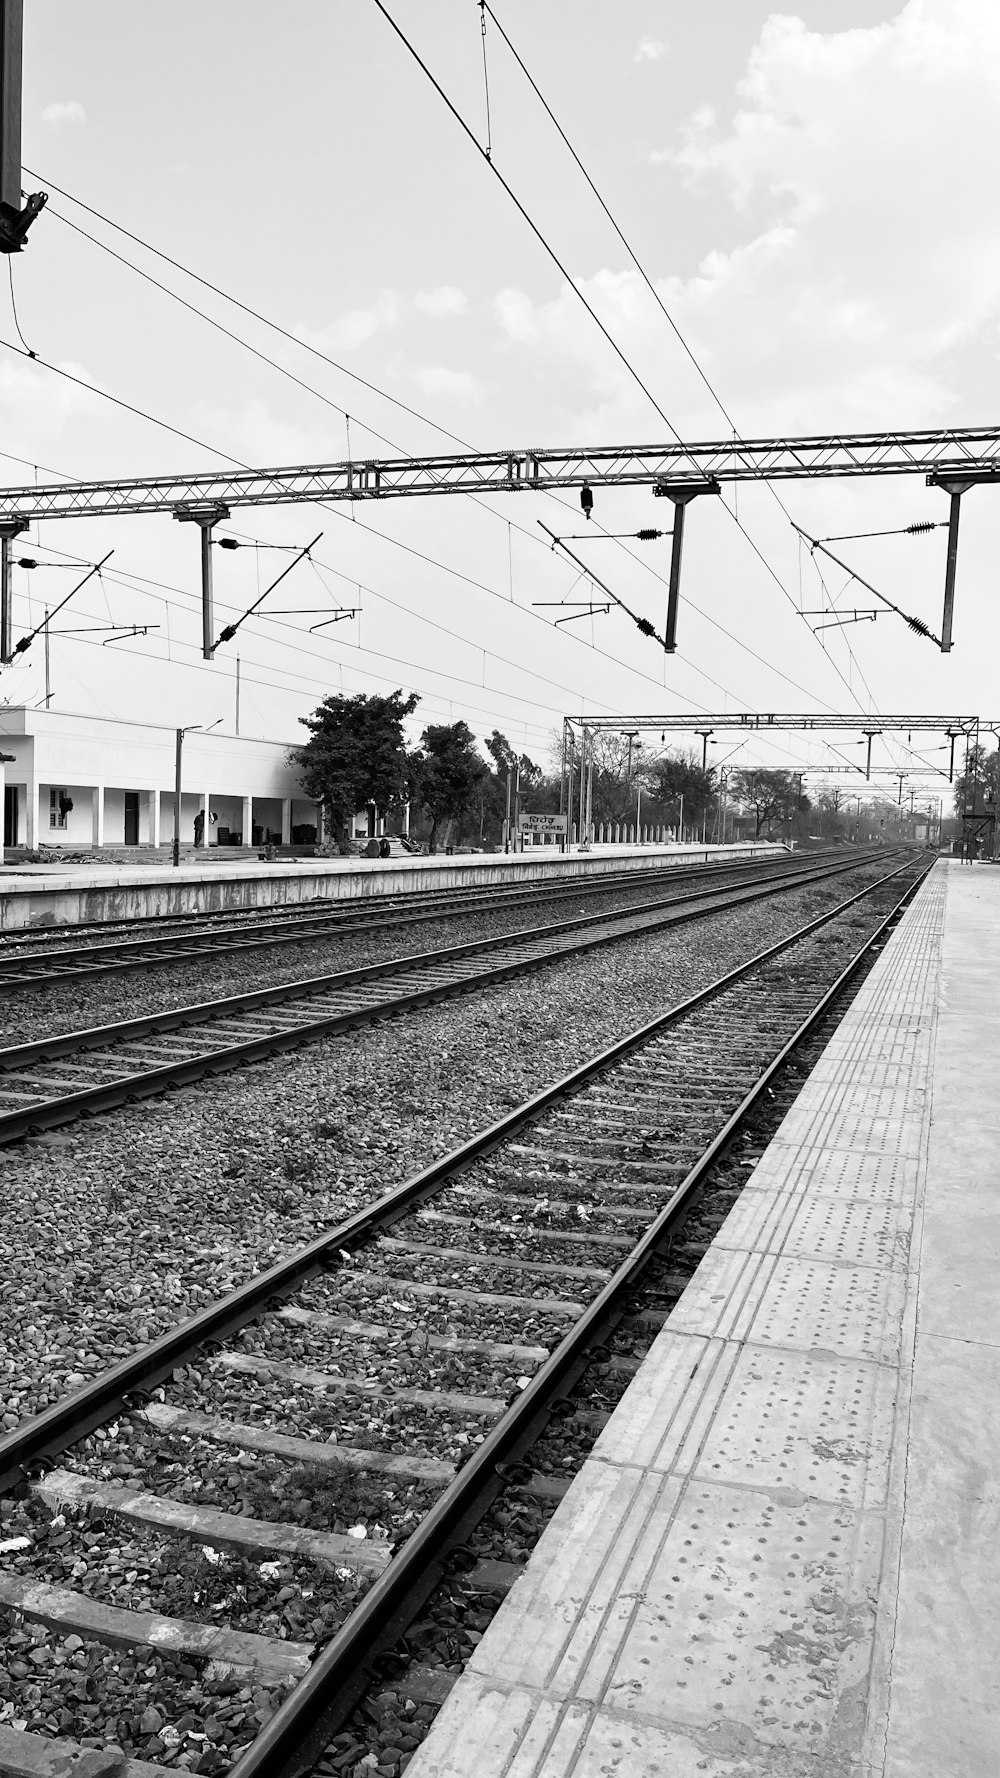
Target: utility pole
<point>176,849</point>
<point>205,516</point>
<point>9,529</point>
<point>237,694</point>
<point>180,733</point>
<point>14,222</point>
<point>48,682</point>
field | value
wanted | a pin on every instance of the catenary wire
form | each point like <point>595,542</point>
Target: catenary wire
<point>578,292</point>
<point>425,419</point>
<point>651,287</point>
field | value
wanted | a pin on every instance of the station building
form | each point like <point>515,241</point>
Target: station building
<point>91,781</point>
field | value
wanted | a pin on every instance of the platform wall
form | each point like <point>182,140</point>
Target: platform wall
<point>38,897</point>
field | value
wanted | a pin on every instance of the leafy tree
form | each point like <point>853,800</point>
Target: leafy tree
<point>356,755</point>
<point>981,778</point>
<point>447,773</point>
<point>674,776</point>
<point>528,776</point>
<point>769,794</point>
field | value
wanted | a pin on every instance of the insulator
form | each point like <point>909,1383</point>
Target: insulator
<point>228,542</point>
<point>643,624</point>
<point>587,500</point>
<point>918,626</point>
<point>648,535</point>
<point>921,525</point>
<point>228,633</point>
<point>26,562</point>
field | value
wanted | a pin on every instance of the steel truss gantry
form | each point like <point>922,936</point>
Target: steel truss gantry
<point>754,719</point>
<point>953,458</point>
<point>748,722</point>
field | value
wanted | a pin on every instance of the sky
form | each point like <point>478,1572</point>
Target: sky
<point>810,192</point>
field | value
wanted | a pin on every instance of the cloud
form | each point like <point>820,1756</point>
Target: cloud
<point>60,112</point>
<point>866,254</point>
<point>446,300</point>
<point>355,326</point>
<point>649,49</point>
<point>853,279</point>
<point>451,385</point>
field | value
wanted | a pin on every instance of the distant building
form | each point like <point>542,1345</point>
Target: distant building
<point>91,781</point>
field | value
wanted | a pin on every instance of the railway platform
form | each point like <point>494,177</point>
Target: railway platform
<point>780,1560</point>
<point>74,893</point>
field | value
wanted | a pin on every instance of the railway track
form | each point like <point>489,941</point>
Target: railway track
<point>55,1079</point>
<point>443,1348</point>
<point>24,965</point>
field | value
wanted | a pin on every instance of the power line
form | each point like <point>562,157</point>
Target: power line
<point>653,291</point>
<point>536,231</point>
<point>425,419</point>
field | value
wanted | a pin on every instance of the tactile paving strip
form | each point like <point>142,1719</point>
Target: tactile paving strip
<point>704,1600</point>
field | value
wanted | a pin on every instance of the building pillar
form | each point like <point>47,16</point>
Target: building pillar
<point>247,802</point>
<point>97,814</point>
<point>286,820</point>
<point>321,823</point>
<point>205,813</point>
<point>153,812</point>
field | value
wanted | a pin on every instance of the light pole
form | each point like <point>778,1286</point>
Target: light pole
<point>178,756</point>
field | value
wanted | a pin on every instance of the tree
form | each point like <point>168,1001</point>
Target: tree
<point>674,777</point>
<point>769,794</point>
<point>980,779</point>
<point>529,778</point>
<point>356,755</point>
<point>447,773</point>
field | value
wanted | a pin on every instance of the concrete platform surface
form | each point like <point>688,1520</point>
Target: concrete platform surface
<point>782,1558</point>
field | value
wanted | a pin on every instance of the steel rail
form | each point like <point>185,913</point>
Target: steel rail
<point>71,1419</point>
<point>86,962</point>
<point>13,936</point>
<point>292,1739</point>
<point>105,1096</point>
<point>288,1743</point>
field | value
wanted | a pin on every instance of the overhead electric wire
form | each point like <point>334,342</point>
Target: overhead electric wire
<point>254,314</point>
<point>659,301</point>
<point>424,418</point>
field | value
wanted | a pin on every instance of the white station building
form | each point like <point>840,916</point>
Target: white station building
<point>90,781</point>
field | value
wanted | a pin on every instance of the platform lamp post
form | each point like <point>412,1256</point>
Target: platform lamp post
<point>175,857</point>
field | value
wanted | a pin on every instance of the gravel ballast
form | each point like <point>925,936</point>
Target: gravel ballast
<point>79,1004</point>
<point>114,1230</point>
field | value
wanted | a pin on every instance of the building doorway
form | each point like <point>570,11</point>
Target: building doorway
<point>10,814</point>
<point>131,817</point>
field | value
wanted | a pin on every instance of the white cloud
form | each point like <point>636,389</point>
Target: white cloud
<point>60,112</point>
<point>356,326</point>
<point>649,49</point>
<point>870,265</point>
<point>516,315</point>
<point>855,276</point>
<point>451,385</point>
<point>445,300</point>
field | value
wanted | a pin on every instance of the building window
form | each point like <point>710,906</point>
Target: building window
<point>59,807</point>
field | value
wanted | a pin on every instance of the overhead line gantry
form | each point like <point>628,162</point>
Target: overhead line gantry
<point>952,458</point>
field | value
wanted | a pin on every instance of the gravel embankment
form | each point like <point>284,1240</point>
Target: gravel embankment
<point>112,1231</point>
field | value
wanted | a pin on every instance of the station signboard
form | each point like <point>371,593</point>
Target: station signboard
<point>555,824</point>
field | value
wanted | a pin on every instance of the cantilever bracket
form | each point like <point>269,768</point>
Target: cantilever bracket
<point>955,486</point>
<point>681,493</point>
